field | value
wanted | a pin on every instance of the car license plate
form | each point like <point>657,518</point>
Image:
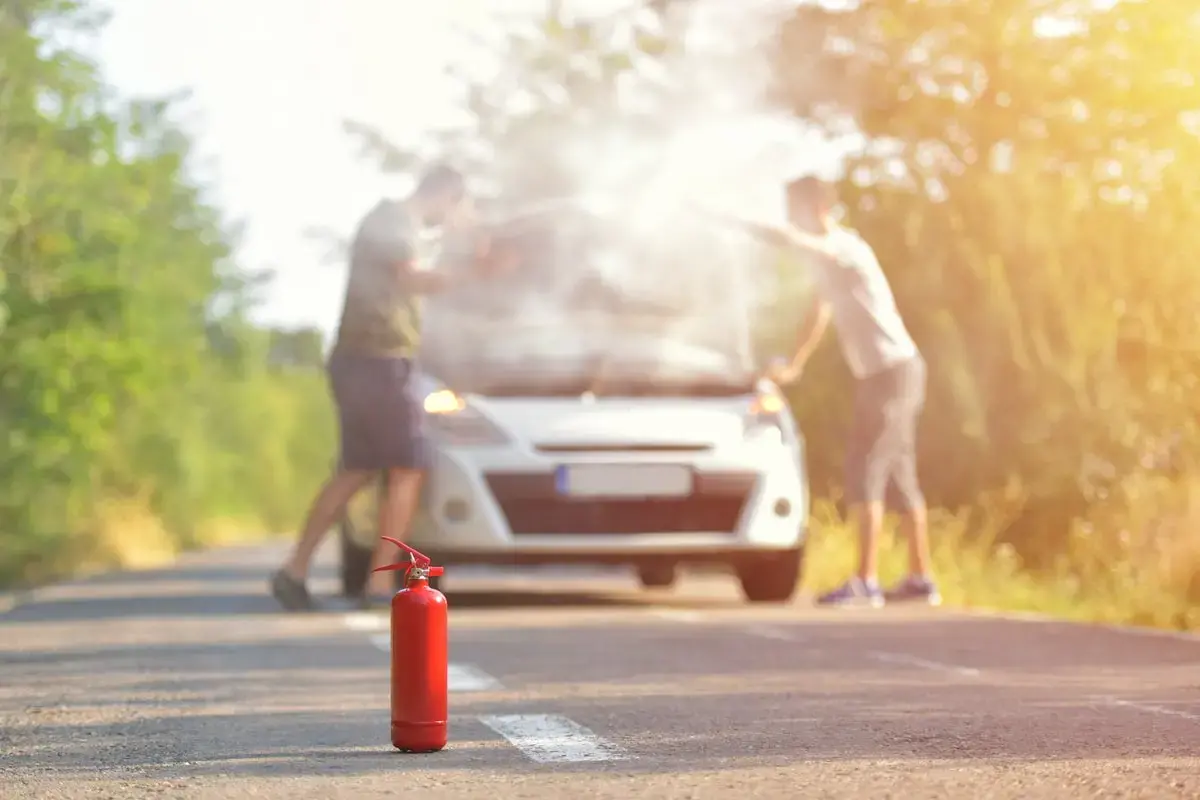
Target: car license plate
<point>623,480</point>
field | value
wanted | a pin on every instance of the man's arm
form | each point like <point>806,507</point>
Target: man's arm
<point>420,281</point>
<point>781,236</point>
<point>816,321</point>
<point>385,238</point>
<point>785,236</point>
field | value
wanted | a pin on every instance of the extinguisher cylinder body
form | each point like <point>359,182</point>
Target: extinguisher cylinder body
<point>420,668</point>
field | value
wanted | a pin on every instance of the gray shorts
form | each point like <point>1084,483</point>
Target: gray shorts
<point>883,436</point>
<point>379,421</point>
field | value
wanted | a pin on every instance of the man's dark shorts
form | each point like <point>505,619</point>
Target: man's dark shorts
<point>380,420</point>
<point>883,436</point>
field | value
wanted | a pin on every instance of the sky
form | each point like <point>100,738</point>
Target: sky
<point>271,83</point>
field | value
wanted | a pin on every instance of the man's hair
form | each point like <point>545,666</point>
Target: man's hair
<point>441,179</point>
<point>811,190</point>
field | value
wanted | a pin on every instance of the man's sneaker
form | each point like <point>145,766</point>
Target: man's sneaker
<point>915,588</point>
<point>291,593</point>
<point>854,592</point>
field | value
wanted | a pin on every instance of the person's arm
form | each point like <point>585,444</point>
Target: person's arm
<point>418,281</point>
<point>815,324</point>
<point>785,236</point>
<point>386,238</point>
<point>812,333</point>
<point>781,236</point>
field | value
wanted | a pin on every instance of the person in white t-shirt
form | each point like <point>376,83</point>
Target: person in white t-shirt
<point>853,293</point>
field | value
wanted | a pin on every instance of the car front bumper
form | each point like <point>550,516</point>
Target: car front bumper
<point>500,505</point>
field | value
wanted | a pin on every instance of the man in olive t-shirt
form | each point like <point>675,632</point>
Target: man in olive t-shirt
<point>369,368</point>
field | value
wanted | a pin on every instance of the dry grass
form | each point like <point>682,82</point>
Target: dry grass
<point>1141,566</point>
<point>1135,560</point>
<point>125,534</point>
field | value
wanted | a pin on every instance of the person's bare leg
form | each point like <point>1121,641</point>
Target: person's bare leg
<point>915,527</point>
<point>329,504</point>
<point>870,530</point>
<point>397,507</point>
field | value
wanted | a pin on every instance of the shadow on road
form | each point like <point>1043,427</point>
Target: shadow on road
<point>243,603</point>
<point>538,598</point>
<point>660,651</point>
<point>214,591</point>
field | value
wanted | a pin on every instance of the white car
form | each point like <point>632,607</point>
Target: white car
<point>600,430</point>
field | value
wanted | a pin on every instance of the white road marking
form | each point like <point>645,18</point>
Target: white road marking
<point>365,621</point>
<point>461,677</point>
<point>466,678</point>
<point>778,634</point>
<point>1151,709</point>
<point>902,658</point>
<point>549,738</point>
<point>678,615</point>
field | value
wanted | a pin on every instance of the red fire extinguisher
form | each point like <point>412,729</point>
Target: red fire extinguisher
<point>420,657</point>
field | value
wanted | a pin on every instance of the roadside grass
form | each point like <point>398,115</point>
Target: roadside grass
<point>126,534</point>
<point>1134,561</point>
<point>971,571</point>
<point>1092,581</point>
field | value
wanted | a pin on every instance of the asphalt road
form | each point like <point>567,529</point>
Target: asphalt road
<point>188,683</point>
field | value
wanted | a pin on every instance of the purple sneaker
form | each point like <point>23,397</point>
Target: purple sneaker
<point>854,592</point>
<point>915,588</point>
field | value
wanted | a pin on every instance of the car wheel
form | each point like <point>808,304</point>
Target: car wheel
<point>771,577</point>
<point>356,561</point>
<point>657,576</point>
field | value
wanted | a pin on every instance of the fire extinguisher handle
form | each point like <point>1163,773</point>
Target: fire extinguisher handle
<point>419,561</point>
<point>419,558</point>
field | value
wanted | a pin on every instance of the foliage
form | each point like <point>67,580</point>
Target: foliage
<point>1036,228</point>
<point>1031,209</point>
<point>1023,176</point>
<point>123,398</point>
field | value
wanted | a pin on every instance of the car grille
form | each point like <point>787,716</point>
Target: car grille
<point>532,507</point>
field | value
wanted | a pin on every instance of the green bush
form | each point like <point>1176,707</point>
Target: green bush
<point>1033,209</point>
<point>136,420</point>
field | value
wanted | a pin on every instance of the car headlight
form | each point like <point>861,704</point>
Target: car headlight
<point>765,413</point>
<point>454,421</point>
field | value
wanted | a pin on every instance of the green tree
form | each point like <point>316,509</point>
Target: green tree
<point>1030,208</point>
<point>121,379</point>
<point>1024,176</point>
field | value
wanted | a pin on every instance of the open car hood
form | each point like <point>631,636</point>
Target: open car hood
<point>618,424</point>
<point>559,360</point>
<point>588,305</point>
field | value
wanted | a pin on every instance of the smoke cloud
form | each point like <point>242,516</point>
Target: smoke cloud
<point>693,127</point>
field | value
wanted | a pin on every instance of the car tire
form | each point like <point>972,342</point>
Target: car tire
<point>657,576</point>
<point>771,577</point>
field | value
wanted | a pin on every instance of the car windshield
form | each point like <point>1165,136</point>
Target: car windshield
<point>583,314</point>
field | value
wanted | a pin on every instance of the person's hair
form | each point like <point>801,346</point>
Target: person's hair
<point>811,191</point>
<point>441,179</point>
